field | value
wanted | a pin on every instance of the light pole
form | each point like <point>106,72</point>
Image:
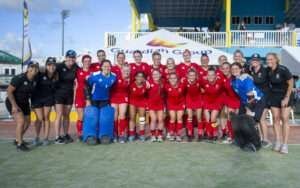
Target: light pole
<point>64,15</point>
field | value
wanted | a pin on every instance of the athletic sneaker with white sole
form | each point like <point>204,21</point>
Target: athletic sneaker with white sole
<point>277,146</point>
<point>171,138</point>
<point>284,149</point>
<point>36,142</point>
<point>266,144</point>
<point>159,139</point>
<point>153,139</point>
<point>131,138</point>
<point>178,139</point>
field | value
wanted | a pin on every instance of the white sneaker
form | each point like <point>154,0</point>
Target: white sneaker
<point>178,139</point>
<point>276,146</point>
<point>171,138</point>
<point>284,149</point>
<point>168,136</point>
<point>159,139</point>
<point>153,139</point>
<point>227,141</point>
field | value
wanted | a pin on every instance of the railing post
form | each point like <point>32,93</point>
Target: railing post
<point>294,38</point>
<point>228,23</point>
<point>106,40</point>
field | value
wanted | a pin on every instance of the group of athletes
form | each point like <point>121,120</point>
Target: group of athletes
<point>176,96</point>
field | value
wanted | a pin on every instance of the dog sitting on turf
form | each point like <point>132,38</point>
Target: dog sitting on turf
<point>245,132</point>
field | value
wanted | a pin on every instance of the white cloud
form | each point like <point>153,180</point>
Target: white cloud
<point>11,44</point>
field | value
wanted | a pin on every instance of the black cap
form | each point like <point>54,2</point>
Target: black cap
<point>50,60</point>
<point>255,56</point>
<point>71,53</point>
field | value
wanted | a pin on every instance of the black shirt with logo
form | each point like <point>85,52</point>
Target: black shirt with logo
<point>261,79</point>
<point>45,87</point>
<point>66,77</point>
<point>278,79</point>
<point>24,88</point>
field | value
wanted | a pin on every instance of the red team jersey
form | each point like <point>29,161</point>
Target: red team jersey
<point>212,96</point>
<point>161,70</point>
<point>119,93</point>
<point>138,95</point>
<point>182,69</point>
<point>175,97</point>
<point>142,67</point>
<point>193,96</point>
<point>117,69</point>
<point>81,77</point>
<point>232,99</point>
<point>95,67</point>
<point>155,96</point>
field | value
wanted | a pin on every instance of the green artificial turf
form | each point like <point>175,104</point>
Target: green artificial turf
<point>147,165</point>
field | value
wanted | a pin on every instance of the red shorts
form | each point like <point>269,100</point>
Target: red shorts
<point>213,105</point>
<point>176,107</point>
<point>119,100</point>
<point>80,99</point>
<point>156,106</point>
<point>232,103</point>
<point>138,103</point>
<point>194,103</point>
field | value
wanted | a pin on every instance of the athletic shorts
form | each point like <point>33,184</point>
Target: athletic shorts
<point>99,104</point>
<point>25,107</point>
<point>39,103</point>
<point>274,100</point>
<point>64,97</point>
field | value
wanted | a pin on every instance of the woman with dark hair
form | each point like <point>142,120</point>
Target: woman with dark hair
<point>137,106</point>
<point>138,65</point>
<point>81,76</point>
<point>252,102</point>
<point>42,100</point>
<point>64,95</point>
<point>17,102</point>
<point>280,100</point>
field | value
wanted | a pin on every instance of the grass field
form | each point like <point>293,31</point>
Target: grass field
<point>147,165</point>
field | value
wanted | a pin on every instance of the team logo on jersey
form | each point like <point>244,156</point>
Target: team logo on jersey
<point>152,85</point>
<point>207,85</point>
<point>277,76</point>
<point>64,69</point>
<point>120,81</point>
<point>134,89</point>
<point>170,89</point>
<point>133,67</point>
<point>179,89</point>
<point>81,73</point>
<point>100,80</point>
<point>44,78</point>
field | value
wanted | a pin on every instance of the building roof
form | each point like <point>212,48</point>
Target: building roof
<point>6,58</point>
<point>186,13</point>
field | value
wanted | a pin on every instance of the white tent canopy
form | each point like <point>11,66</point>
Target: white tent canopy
<point>169,45</point>
<point>290,57</point>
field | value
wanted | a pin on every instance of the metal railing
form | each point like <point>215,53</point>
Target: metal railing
<point>255,38</point>
<point>261,38</point>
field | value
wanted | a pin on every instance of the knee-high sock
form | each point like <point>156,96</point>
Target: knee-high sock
<point>159,132</point>
<point>172,128</point>
<point>189,127</point>
<point>153,132</point>
<point>230,130</point>
<point>208,129</point>
<point>178,129</point>
<point>122,126</point>
<point>79,127</point>
<point>200,128</point>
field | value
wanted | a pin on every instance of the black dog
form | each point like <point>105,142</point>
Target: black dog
<point>245,132</point>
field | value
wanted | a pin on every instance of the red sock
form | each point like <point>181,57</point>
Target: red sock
<point>208,129</point>
<point>172,128</point>
<point>116,128</point>
<point>159,132</point>
<point>189,127</point>
<point>79,127</point>
<point>153,132</point>
<point>167,124</point>
<point>122,127</point>
<point>131,133</point>
<point>142,133</point>
<point>230,130</point>
<point>178,129</point>
<point>200,129</point>
<point>224,131</point>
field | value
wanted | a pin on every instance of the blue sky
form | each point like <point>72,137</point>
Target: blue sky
<point>84,29</point>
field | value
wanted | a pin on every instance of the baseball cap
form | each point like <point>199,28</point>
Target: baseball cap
<point>71,53</point>
<point>33,64</point>
<point>51,60</point>
<point>255,56</point>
